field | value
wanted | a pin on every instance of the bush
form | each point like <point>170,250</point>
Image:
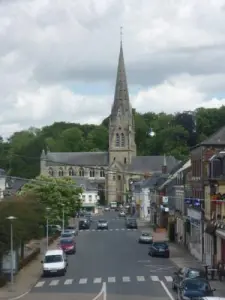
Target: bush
<point>3,280</point>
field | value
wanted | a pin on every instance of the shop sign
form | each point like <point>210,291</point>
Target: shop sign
<point>194,214</point>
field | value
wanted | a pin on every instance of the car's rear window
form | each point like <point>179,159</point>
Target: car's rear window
<point>145,234</point>
<point>195,273</point>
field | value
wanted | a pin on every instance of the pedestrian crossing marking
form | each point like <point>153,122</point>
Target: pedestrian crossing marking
<point>140,278</point>
<point>169,278</point>
<point>40,284</point>
<point>107,230</point>
<point>68,281</point>
<point>83,281</point>
<point>54,282</point>
<point>154,278</point>
<point>126,279</point>
<point>96,280</point>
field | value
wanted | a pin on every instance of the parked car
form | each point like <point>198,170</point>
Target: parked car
<point>160,249</point>
<point>186,273</point>
<point>194,288</point>
<point>54,263</point>
<point>145,238</point>
<point>131,223</point>
<point>72,229</point>
<point>122,214</point>
<point>68,245</point>
<point>67,234</point>
<point>84,224</point>
<point>102,224</point>
<point>107,209</point>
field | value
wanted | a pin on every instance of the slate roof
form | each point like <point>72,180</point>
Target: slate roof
<point>152,163</point>
<point>77,158</point>
<point>218,138</point>
<point>2,172</point>
<point>13,185</point>
<point>85,183</point>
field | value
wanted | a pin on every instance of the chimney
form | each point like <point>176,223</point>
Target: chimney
<point>164,166</point>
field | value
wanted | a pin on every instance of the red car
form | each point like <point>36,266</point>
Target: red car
<point>68,245</point>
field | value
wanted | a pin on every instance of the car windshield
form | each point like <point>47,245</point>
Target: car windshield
<point>102,221</point>
<point>161,245</point>
<point>146,234</point>
<point>66,241</point>
<point>196,285</point>
<point>53,258</point>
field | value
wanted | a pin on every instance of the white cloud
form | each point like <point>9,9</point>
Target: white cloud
<point>174,52</point>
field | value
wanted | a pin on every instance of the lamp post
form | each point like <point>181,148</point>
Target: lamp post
<point>11,219</point>
<point>47,225</point>
<point>63,218</point>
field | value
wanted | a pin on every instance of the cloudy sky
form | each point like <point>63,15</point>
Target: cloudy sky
<point>58,58</point>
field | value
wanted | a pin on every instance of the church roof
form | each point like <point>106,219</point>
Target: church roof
<point>144,164</point>
<point>77,158</point>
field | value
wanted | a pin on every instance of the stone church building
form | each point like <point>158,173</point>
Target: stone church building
<point>114,169</point>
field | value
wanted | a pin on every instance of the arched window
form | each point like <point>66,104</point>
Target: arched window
<point>50,172</point>
<point>71,172</point>
<point>92,173</point>
<point>102,173</point>
<point>122,140</point>
<point>81,172</point>
<point>117,140</point>
<point>60,172</point>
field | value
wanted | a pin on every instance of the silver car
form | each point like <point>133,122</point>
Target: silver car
<point>102,224</point>
<point>145,238</point>
<point>72,229</point>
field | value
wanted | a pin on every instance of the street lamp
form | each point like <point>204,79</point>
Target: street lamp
<point>47,225</point>
<point>63,218</point>
<point>11,219</point>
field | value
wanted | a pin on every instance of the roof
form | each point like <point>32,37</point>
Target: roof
<point>14,184</point>
<point>218,138</point>
<point>146,164</point>
<point>85,183</point>
<point>54,252</point>
<point>77,158</point>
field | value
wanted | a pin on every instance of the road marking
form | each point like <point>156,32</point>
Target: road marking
<point>40,284</point>
<point>117,229</point>
<point>93,229</point>
<point>169,278</point>
<point>122,228</point>
<point>140,278</point>
<point>154,278</point>
<point>97,280</point>
<point>126,279</point>
<point>102,293</point>
<point>54,282</point>
<point>111,279</point>
<point>80,230</point>
<point>110,229</point>
<point>83,281</point>
<point>68,281</point>
<point>167,291</point>
<point>128,229</point>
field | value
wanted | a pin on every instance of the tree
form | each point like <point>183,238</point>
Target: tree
<point>57,194</point>
<point>29,214</point>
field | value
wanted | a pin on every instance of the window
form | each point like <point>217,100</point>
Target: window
<point>125,160</point>
<point>122,140</point>
<point>102,173</point>
<point>50,172</point>
<point>90,198</point>
<point>83,198</point>
<point>114,177</point>
<point>117,140</point>
<point>71,172</point>
<point>60,172</point>
<point>81,172</point>
<point>119,177</point>
<point>92,173</point>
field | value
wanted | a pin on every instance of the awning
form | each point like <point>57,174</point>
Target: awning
<point>89,205</point>
<point>220,233</point>
<point>211,228</point>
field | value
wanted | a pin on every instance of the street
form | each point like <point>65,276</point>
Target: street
<point>112,257</point>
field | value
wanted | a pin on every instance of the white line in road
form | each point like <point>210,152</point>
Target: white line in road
<point>110,229</point>
<point>83,281</point>
<point>126,279</point>
<point>68,281</point>
<point>123,229</point>
<point>167,291</point>
<point>103,293</point>
<point>111,279</point>
<point>54,282</point>
<point>169,278</point>
<point>140,278</point>
<point>154,278</point>
<point>117,229</point>
<point>97,280</point>
<point>40,284</point>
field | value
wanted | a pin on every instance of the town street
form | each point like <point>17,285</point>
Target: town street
<point>115,258</point>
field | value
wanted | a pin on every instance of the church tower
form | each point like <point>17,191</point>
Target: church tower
<point>122,145</point>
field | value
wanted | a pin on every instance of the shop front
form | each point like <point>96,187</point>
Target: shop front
<point>195,243</point>
<point>210,247</point>
<point>220,242</point>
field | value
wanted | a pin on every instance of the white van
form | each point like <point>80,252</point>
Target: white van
<point>55,262</point>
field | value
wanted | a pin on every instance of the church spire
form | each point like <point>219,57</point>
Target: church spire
<point>121,105</point>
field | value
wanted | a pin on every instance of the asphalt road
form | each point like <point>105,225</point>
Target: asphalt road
<point>112,257</point>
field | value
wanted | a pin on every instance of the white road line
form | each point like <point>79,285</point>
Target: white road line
<point>93,230</point>
<point>140,278</point>
<point>167,291</point>
<point>110,229</point>
<point>97,280</point>
<point>83,281</point>
<point>117,229</point>
<point>122,228</point>
<point>68,281</point>
<point>126,279</point>
<point>40,284</point>
<point>154,278</point>
<point>80,230</point>
<point>169,278</point>
<point>54,282</point>
<point>128,229</point>
<point>111,279</point>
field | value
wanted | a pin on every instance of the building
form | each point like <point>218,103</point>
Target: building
<point>120,163</point>
<point>2,183</point>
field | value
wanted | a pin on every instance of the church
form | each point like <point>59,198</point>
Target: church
<point>113,170</point>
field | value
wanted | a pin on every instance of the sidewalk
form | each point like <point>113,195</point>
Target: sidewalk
<point>27,277</point>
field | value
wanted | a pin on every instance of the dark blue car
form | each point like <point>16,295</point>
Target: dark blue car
<point>194,288</point>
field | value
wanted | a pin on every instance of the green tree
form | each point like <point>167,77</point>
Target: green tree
<point>58,194</point>
<point>97,139</point>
